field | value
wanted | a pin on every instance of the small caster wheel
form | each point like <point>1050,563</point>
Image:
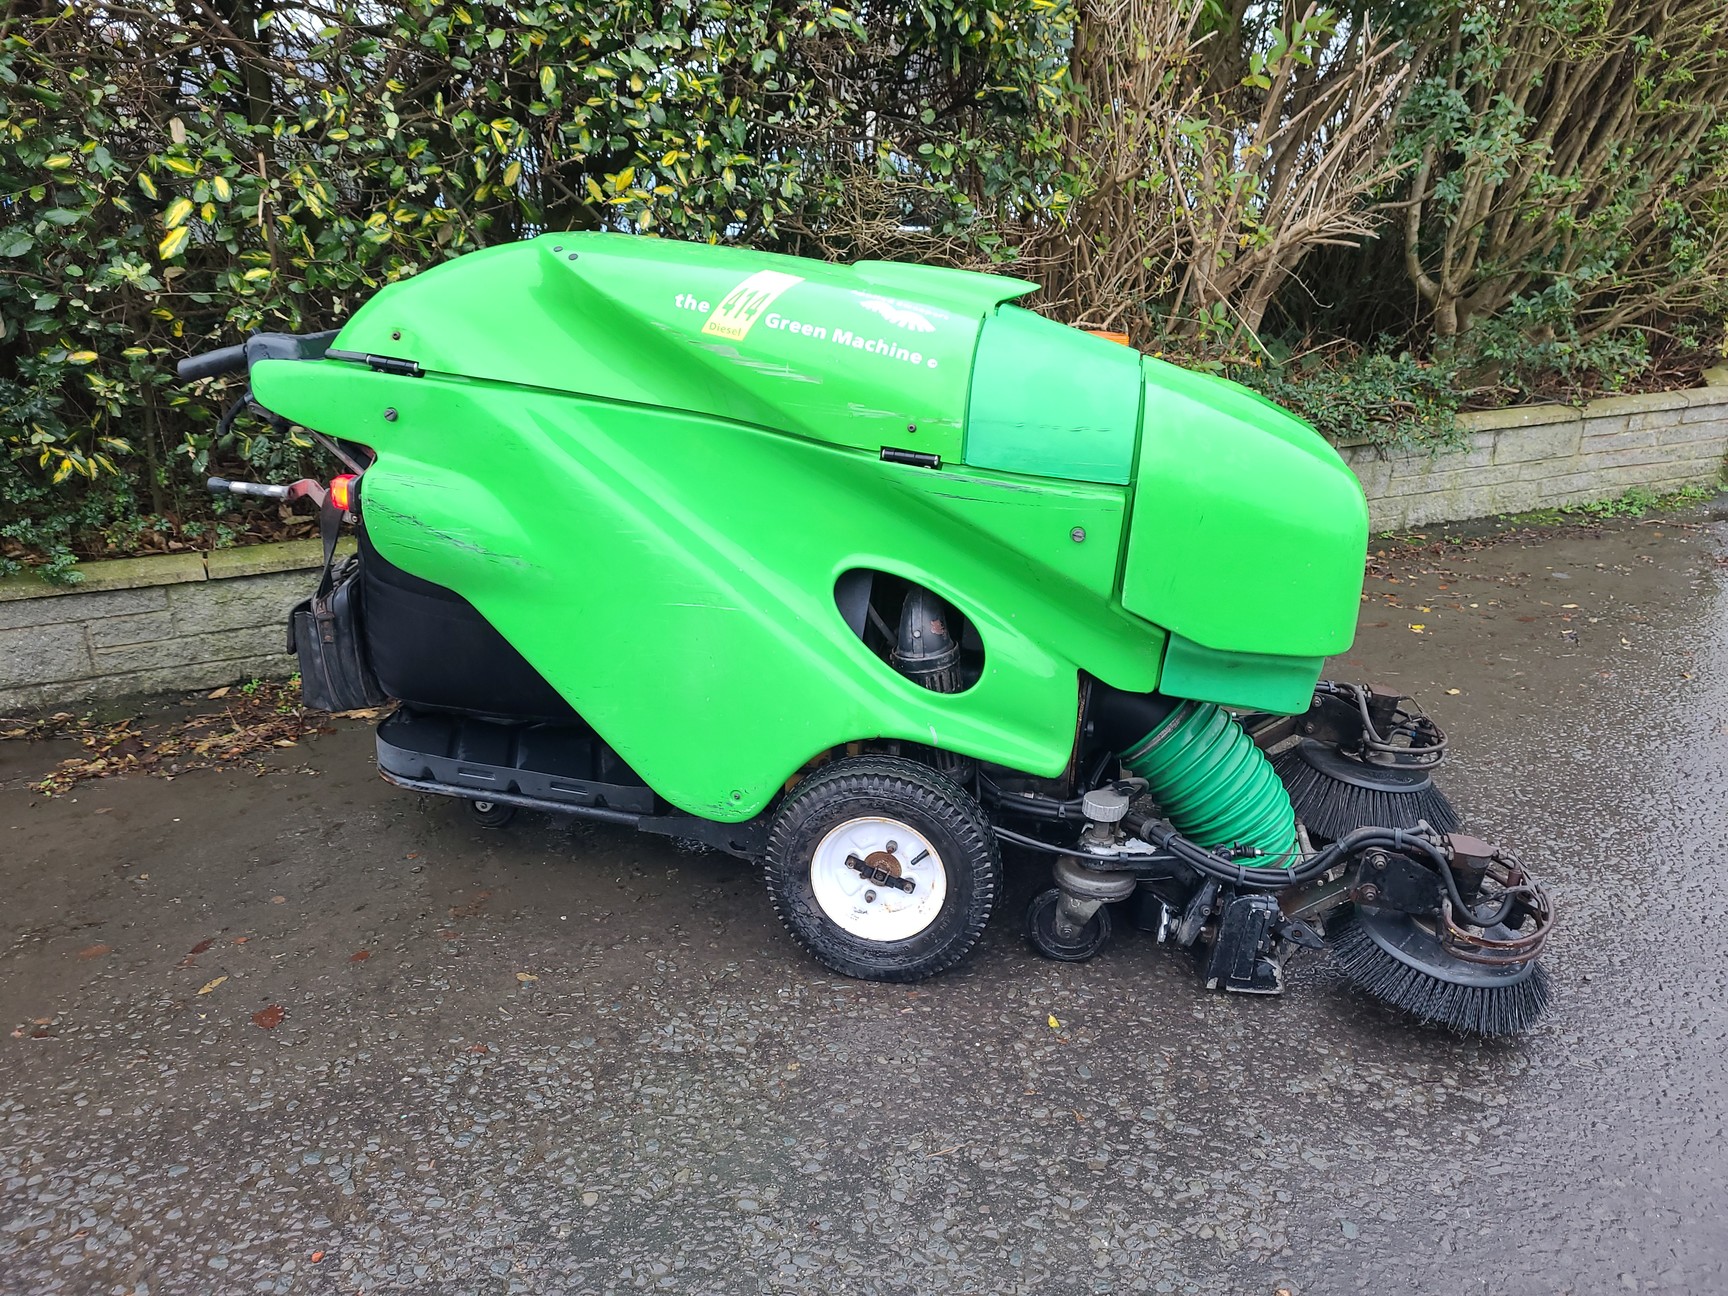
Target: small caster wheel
<point>1041,930</point>
<point>491,814</point>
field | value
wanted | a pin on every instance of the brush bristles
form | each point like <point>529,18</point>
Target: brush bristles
<point>1475,1010</point>
<point>1331,808</point>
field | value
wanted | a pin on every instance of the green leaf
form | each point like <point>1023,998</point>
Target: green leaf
<point>15,242</point>
<point>82,358</point>
<point>170,246</point>
<point>177,212</point>
<point>548,80</point>
<point>59,162</point>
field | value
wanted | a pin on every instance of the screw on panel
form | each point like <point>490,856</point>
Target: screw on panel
<point>557,247</point>
<point>572,256</point>
<point>911,427</point>
<point>1077,534</point>
<point>396,336</point>
<point>390,416</point>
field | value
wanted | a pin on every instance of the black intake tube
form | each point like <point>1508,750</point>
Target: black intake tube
<point>1120,720</point>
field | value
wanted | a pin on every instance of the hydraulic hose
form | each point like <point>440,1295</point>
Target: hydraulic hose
<point>1167,837</point>
<point>1213,783</point>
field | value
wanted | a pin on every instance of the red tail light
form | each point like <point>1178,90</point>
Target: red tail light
<point>342,491</point>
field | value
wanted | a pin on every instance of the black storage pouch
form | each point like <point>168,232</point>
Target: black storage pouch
<point>327,632</point>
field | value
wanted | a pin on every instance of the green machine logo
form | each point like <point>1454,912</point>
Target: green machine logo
<point>744,305</point>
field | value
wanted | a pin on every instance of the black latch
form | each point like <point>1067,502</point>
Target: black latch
<point>917,458</point>
<point>395,365</point>
<point>382,364</point>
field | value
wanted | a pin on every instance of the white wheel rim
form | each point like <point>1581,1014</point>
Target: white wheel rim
<point>874,910</point>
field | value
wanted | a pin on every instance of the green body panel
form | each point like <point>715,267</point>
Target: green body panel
<point>673,576</point>
<point>1248,531</point>
<point>1052,401</point>
<point>1259,681</point>
<point>647,463</point>
<point>836,353</point>
<point>1037,519</point>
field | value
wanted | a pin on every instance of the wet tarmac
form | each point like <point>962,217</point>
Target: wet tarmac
<point>305,1033</point>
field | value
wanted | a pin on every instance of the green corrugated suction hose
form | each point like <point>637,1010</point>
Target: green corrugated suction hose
<point>1214,784</point>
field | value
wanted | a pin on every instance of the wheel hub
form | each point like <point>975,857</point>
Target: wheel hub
<point>881,868</point>
<point>878,879</point>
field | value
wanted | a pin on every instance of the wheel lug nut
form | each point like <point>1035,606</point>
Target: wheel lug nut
<point>891,847</point>
<point>869,897</point>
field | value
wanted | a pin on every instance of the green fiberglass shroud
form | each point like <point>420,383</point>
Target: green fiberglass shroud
<point>647,463</point>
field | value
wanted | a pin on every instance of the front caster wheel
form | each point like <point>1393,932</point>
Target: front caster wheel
<point>883,868</point>
<point>1063,941</point>
<point>491,814</point>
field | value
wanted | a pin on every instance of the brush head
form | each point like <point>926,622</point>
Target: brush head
<point>1335,794</point>
<point>1399,961</point>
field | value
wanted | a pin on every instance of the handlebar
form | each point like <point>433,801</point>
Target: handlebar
<point>223,360</point>
<point>222,486</point>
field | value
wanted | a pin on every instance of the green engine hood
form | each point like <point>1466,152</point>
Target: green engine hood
<point>867,355</point>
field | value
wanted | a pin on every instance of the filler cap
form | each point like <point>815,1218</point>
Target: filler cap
<point>1105,805</point>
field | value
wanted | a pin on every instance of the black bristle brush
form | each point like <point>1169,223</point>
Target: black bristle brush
<point>1334,794</point>
<point>1500,1001</point>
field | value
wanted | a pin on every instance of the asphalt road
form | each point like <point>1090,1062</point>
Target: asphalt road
<point>559,1059</point>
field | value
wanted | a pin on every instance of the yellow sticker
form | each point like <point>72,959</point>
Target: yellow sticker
<point>744,305</point>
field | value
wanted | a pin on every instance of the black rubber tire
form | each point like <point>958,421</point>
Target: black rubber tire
<point>491,814</point>
<point>1041,930</point>
<point>948,817</point>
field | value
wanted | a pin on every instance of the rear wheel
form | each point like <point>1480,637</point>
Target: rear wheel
<point>883,868</point>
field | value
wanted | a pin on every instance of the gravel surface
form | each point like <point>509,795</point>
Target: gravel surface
<point>304,1033</point>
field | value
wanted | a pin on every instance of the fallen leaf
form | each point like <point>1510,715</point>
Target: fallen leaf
<point>1453,692</point>
<point>241,940</point>
<point>268,1017</point>
<point>1054,1024</point>
<point>359,956</point>
<point>208,986</point>
<point>526,976</point>
<point>1417,627</point>
<point>478,1048</point>
<point>199,948</point>
<point>219,693</point>
<point>94,951</point>
<point>278,899</point>
<point>317,1256</point>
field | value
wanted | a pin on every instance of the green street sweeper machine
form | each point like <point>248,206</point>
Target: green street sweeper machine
<point>865,573</point>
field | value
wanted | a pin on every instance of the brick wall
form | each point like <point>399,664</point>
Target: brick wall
<point>144,625</point>
<point>1539,456</point>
